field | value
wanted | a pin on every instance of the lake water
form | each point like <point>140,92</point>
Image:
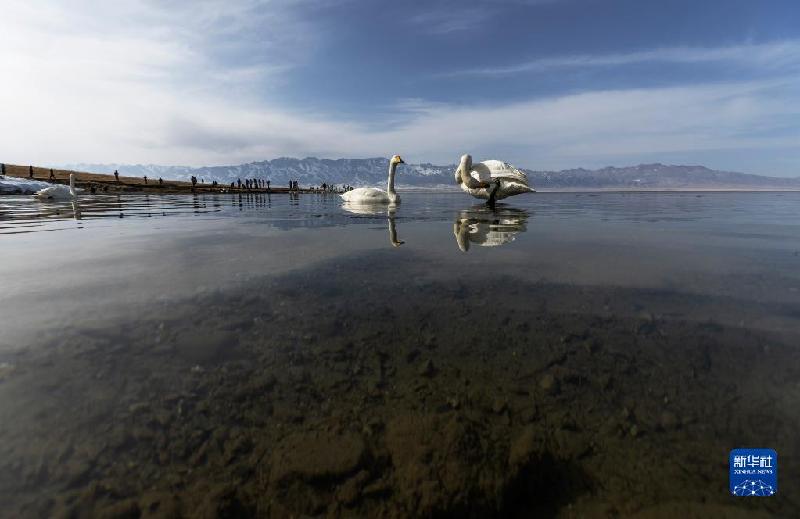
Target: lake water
<point>570,354</point>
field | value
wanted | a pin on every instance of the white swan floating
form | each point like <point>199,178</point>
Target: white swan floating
<point>59,191</point>
<point>371,195</point>
<point>491,179</point>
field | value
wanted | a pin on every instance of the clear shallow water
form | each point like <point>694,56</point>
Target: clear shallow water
<point>568,354</point>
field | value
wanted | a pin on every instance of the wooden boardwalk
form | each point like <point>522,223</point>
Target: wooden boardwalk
<point>107,183</point>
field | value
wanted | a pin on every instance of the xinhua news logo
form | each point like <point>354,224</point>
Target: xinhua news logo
<point>753,472</point>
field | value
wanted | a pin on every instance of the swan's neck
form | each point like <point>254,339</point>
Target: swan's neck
<point>464,168</point>
<point>390,186</point>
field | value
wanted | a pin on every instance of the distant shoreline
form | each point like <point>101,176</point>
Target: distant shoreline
<point>455,190</point>
<point>107,183</point>
<point>674,190</point>
<point>127,184</point>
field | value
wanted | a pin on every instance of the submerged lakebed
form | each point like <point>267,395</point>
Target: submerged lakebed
<point>570,354</point>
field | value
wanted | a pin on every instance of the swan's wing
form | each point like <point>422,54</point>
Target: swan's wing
<point>364,194</point>
<point>58,191</point>
<point>46,192</point>
<point>363,208</point>
<point>511,187</point>
<point>490,169</point>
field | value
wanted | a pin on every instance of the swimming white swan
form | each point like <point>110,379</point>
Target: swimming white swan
<point>59,191</point>
<point>491,179</point>
<point>371,195</point>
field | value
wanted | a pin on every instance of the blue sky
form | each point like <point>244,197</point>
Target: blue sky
<point>545,84</point>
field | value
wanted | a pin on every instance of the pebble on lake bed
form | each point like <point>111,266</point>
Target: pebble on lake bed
<point>668,421</point>
<point>548,384</point>
<point>426,369</point>
<point>311,456</point>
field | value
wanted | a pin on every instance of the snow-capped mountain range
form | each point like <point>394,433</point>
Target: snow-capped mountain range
<point>313,171</point>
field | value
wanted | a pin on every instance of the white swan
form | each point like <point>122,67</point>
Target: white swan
<point>491,179</point>
<point>371,195</point>
<point>58,192</point>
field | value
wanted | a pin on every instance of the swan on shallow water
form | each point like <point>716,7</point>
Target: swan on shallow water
<point>371,195</point>
<point>491,179</point>
<point>58,192</point>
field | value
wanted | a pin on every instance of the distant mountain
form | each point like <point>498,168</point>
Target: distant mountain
<point>312,171</point>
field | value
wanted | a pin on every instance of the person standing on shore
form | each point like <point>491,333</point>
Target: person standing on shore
<point>145,179</point>
<point>3,169</point>
<point>52,176</point>
<point>239,182</point>
<point>30,171</point>
<point>160,181</point>
<point>116,175</point>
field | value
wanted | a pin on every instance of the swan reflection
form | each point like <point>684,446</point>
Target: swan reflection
<point>488,228</point>
<point>374,210</point>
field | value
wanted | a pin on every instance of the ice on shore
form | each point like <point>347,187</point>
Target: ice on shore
<point>20,186</point>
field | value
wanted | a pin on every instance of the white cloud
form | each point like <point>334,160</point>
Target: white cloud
<point>448,19</point>
<point>610,126</point>
<point>448,16</point>
<point>776,56</point>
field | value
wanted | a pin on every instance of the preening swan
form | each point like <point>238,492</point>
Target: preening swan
<point>491,179</point>
<point>371,195</point>
<point>58,192</point>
